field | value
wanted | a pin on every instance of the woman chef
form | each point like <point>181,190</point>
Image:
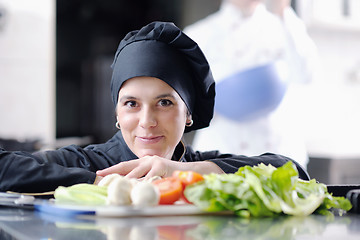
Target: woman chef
<point>161,87</point>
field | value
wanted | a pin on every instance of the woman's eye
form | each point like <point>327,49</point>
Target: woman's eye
<point>165,102</point>
<point>130,104</point>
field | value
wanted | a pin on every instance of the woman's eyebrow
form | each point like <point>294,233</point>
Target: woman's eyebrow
<point>165,95</point>
<point>127,97</point>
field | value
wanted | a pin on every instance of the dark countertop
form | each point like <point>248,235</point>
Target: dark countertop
<point>26,224</point>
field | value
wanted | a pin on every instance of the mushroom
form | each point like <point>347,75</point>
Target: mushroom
<point>144,194</point>
<point>119,191</point>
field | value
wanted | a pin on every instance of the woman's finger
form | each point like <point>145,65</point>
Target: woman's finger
<point>149,166</point>
<point>122,168</point>
<point>154,172</point>
<point>140,171</point>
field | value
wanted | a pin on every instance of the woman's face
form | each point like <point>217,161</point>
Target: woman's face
<point>247,7</point>
<point>152,116</point>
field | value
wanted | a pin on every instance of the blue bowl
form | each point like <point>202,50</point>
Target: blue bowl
<point>251,93</point>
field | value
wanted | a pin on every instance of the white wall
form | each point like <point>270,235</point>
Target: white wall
<point>333,102</point>
<point>27,69</point>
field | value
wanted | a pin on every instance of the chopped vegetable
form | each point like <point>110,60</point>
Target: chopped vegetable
<point>170,189</point>
<point>144,194</point>
<point>263,191</point>
<point>108,179</point>
<point>187,178</point>
<point>113,189</point>
<point>119,190</point>
<point>82,193</point>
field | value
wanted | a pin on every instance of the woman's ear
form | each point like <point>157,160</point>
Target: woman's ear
<point>117,125</point>
<point>188,116</point>
<point>189,121</point>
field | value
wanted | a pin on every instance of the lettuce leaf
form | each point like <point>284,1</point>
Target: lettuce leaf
<point>263,191</point>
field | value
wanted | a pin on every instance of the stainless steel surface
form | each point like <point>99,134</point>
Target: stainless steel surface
<point>24,224</point>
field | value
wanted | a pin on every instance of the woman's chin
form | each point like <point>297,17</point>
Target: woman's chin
<point>150,152</point>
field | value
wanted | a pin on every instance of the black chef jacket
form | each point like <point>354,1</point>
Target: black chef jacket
<point>45,171</point>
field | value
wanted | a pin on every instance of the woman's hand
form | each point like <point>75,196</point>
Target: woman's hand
<point>150,166</point>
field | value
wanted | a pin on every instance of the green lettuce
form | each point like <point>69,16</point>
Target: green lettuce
<point>264,191</point>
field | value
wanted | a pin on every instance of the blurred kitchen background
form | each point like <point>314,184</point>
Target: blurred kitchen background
<point>55,58</point>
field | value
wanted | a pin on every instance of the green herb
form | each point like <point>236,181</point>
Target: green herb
<point>264,191</point>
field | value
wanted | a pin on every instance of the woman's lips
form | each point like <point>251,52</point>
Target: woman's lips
<point>150,140</point>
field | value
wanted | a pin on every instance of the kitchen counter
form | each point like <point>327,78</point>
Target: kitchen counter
<point>27,224</point>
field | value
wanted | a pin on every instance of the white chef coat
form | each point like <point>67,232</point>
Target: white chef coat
<point>231,43</point>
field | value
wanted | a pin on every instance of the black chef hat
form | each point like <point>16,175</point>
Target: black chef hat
<point>162,50</point>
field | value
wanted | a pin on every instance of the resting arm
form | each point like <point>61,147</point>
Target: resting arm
<point>201,162</point>
<point>44,171</point>
<point>230,163</point>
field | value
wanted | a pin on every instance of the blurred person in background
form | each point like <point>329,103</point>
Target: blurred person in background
<point>243,35</point>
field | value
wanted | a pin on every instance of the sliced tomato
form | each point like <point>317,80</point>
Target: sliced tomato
<point>170,189</point>
<point>187,178</point>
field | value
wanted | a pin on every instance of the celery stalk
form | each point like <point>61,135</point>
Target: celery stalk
<point>82,193</point>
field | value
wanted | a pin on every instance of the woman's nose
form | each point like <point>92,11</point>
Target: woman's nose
<point>147,118</point>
